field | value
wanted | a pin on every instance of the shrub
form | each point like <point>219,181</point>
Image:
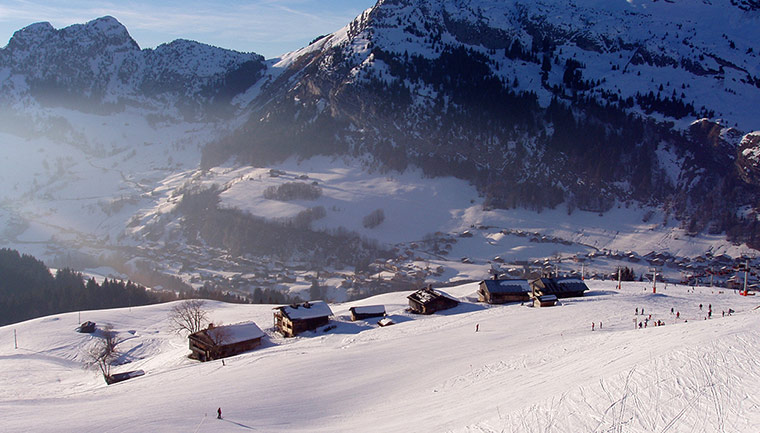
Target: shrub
<point>374,219</point>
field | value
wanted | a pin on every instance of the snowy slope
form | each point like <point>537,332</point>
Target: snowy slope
<point>525,370</point>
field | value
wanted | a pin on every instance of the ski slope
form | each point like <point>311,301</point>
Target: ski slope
<point>525,370</point>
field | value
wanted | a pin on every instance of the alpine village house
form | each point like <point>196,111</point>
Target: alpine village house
<point>291,320</point>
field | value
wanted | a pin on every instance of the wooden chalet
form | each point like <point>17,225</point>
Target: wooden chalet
<point>292,320</point>
<point>366,312</point>
<point>497,291</point>
<point>428,301</point>
<point>559,287</point>
<point>218,342</point>
<point>545,301</point>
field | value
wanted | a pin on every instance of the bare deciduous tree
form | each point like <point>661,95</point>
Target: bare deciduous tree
<point>218,333</point>
<point>189,315</point>
<point>103,352</point>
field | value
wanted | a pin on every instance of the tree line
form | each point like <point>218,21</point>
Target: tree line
<point>28,289</point>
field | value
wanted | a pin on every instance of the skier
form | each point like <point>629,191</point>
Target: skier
<point>477,326</point>
<point>592,326</point>
<point>219,413</point>
<point>700,307</point>
<point>642,311</point>
<point>637,311</point>
<point>671,310</point>
<point>678,314</point>
<point>600,326</point>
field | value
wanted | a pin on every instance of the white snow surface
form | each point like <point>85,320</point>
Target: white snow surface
<point>524,370</point>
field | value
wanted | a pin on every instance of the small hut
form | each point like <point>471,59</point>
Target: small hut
<point>385,321</point>
<point>428,301</point>
<point>292,320</point>
<point>500,291</point>
<point>366,312</point>
<point>86,327</point>
<point>561,288</point>
<point>218,342</point>
<point>545,301</point>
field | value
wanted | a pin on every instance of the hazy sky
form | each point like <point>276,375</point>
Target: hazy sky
<point>268,27</point>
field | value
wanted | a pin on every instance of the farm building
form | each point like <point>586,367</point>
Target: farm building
<point>559,287</point>
<point>218,342</point>
<point>428,301</point>
<point>292,320</point>
<point>367,311</point>
<point>545,301</point>
<point>500,291</point>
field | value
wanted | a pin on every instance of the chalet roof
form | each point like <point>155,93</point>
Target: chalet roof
<point>426,295</point>
<point>572,285</point>
<point>307,310</point>
<point>235,333</point>
<point>507,286</point>
<point>369,309</point>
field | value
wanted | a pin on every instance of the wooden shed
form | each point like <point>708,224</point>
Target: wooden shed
<point>292,320</point>
<point>559,287</point>
<point>500,291</point>
<point>218,342</point>
<point>428,301</point>
<point>545,301</point>
<point>366,312</point>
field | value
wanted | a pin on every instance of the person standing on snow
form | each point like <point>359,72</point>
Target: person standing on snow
<point>219,413</point>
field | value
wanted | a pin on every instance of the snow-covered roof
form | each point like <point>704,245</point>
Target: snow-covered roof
<point>369,309</point>
<point>307,310</point>
<point>235,333</point>
<point>426,295</point>
<point>572,284</point>
<point>507,286</point>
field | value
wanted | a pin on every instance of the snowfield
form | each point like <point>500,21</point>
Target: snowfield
<point>525,370</point>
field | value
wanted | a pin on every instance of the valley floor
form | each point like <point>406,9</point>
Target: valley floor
<point>524,370</point>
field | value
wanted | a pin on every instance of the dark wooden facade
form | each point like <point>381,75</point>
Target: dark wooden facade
<point>428,301</point>
<point>559,287</point>
<point>223,341</point>
<point>292,320</point>
<point>502,291</point>
<point>366,312</point>
<point>545,301</point>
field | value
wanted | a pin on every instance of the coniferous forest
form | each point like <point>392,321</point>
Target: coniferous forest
<point>28,289</point>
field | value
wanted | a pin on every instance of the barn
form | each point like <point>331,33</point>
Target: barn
<point>497,291</point>
<point>559,287</point>
<point>366,312</point>
<point>428,301</point>
<point>218,342</point>
<point>292,320</point>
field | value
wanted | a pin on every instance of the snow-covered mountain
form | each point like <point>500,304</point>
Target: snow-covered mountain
<point>613,126</point>
<point>524,370</point>
<point>98,67</point>
<point>536,103</point>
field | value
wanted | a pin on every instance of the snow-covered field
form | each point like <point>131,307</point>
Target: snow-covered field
<point>525,369</point>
